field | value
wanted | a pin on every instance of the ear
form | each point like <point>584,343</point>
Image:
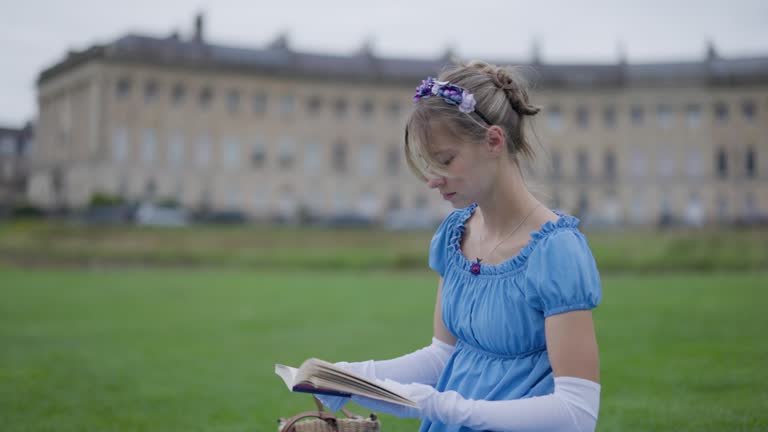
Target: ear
<point>496,140</point>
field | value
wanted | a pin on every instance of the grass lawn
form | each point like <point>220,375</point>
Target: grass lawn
<point>182,350</point>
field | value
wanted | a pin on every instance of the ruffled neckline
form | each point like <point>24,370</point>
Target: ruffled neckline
<point>515,263</point>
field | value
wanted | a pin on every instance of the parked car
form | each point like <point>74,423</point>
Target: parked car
<point>160,215</point>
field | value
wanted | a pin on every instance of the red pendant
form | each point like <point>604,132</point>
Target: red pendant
<point>475,267</point>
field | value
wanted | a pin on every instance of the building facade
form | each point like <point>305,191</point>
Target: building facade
<point>14,145</point>
<point>275,132</point>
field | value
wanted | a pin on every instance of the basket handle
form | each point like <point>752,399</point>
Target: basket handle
<point>321,408</point>
<point>328,417</point>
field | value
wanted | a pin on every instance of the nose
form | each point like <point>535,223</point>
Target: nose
<point>435,182</point>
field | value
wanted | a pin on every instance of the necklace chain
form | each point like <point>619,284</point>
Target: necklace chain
<point>510,234</point>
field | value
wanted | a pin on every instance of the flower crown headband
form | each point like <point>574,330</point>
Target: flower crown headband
<point>450,93</point>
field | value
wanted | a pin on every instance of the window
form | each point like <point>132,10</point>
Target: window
<point>721,112</point>
<point>312,159</point>
<point>206,98</point>
<point>150,91</point>
<point>340,157</point>
<point>666,164</point>
<point>394,202</point>
<point>148,145</point>
<point>751,162</point>
<point>287,104</point>
<point>748,109</point>
<point>609,162</point>
<point>314,103</point>
<point>582,117</point>
<point>233,101</point>
<point>259,103</point>
<point>340,107</point>
<point>231,151</point>
<point>582,161</point>
<point>751,211</point>
<point>286,153</point>
<point>203,151</point>
<point>664,116</point>
<point>394,109</point>
<point>722,163</point>
<point>367,160</point>
<point>233,196</point>
<point>555,118</point>
<point>583,205</point>
<point>609,117</point>
<point>368,204</point>
<point>722,207</point>
<point>260,201</point>
<point>119,144</point>
<point>176,148</point>
<point>123,88</point>
<point>258,154</point>
<point>637,115</point>
<point>366,108</point>
<point>8,145</point>
<point>638,209</point>
<point>639,163</point>
<point>693,115</point>
<point>556,165</point>
<point>178,93</point>
<point>695,162</point>
<point>393,161</point>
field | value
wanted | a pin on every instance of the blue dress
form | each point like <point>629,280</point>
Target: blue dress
<point>498,315</point>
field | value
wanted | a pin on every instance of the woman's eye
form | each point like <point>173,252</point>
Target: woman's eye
<point>448,161</point>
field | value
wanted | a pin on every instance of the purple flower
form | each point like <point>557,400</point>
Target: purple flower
<point>450,93</point>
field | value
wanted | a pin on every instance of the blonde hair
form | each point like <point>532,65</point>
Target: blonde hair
<point>502,98</point>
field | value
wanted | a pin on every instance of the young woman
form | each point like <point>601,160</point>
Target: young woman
<point>514,347</point>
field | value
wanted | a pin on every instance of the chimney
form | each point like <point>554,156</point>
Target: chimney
<point>711,51</point>
<point>535,51</point>
<point>199,27</point>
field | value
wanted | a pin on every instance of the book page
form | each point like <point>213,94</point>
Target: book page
<point>287,373</point>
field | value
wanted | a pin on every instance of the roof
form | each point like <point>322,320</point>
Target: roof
<point>279,59</point>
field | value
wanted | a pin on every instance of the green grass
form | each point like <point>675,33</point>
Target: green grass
<point>186,350</point>
<point>45,244</point>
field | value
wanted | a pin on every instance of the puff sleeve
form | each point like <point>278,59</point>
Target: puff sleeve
<point>562,274</point>
<point>439,246</point>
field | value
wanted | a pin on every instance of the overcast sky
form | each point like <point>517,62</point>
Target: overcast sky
<point>35,34</point>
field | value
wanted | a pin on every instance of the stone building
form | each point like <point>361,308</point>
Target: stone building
<point>14,146</point>
<point>276,132</point>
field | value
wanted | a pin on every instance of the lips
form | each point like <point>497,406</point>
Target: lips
<point>447,196</point>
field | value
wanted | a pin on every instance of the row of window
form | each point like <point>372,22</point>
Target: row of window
<point>583,116</point>
<point>666,164</point>
<point>234,153</point>
<point>639,115</point>
<point>313,154</point>
<point>236,100</point>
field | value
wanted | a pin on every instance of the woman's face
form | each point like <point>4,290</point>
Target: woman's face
<point>469,166</point>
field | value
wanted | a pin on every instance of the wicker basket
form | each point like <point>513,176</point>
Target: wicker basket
<point>321,421</point>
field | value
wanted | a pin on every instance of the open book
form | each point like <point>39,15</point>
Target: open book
<point>321,377</point>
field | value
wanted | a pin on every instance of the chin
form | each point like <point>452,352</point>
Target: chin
<point>460,203</point>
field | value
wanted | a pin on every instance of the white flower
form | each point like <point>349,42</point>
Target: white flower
<point>467,102</point>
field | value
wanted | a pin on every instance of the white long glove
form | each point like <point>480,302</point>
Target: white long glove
<point>572,407</point>
<point>422,366</point>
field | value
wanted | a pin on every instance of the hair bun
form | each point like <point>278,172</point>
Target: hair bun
<point>516,94</point>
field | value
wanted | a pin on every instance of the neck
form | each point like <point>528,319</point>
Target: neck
<point>507,203</point>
